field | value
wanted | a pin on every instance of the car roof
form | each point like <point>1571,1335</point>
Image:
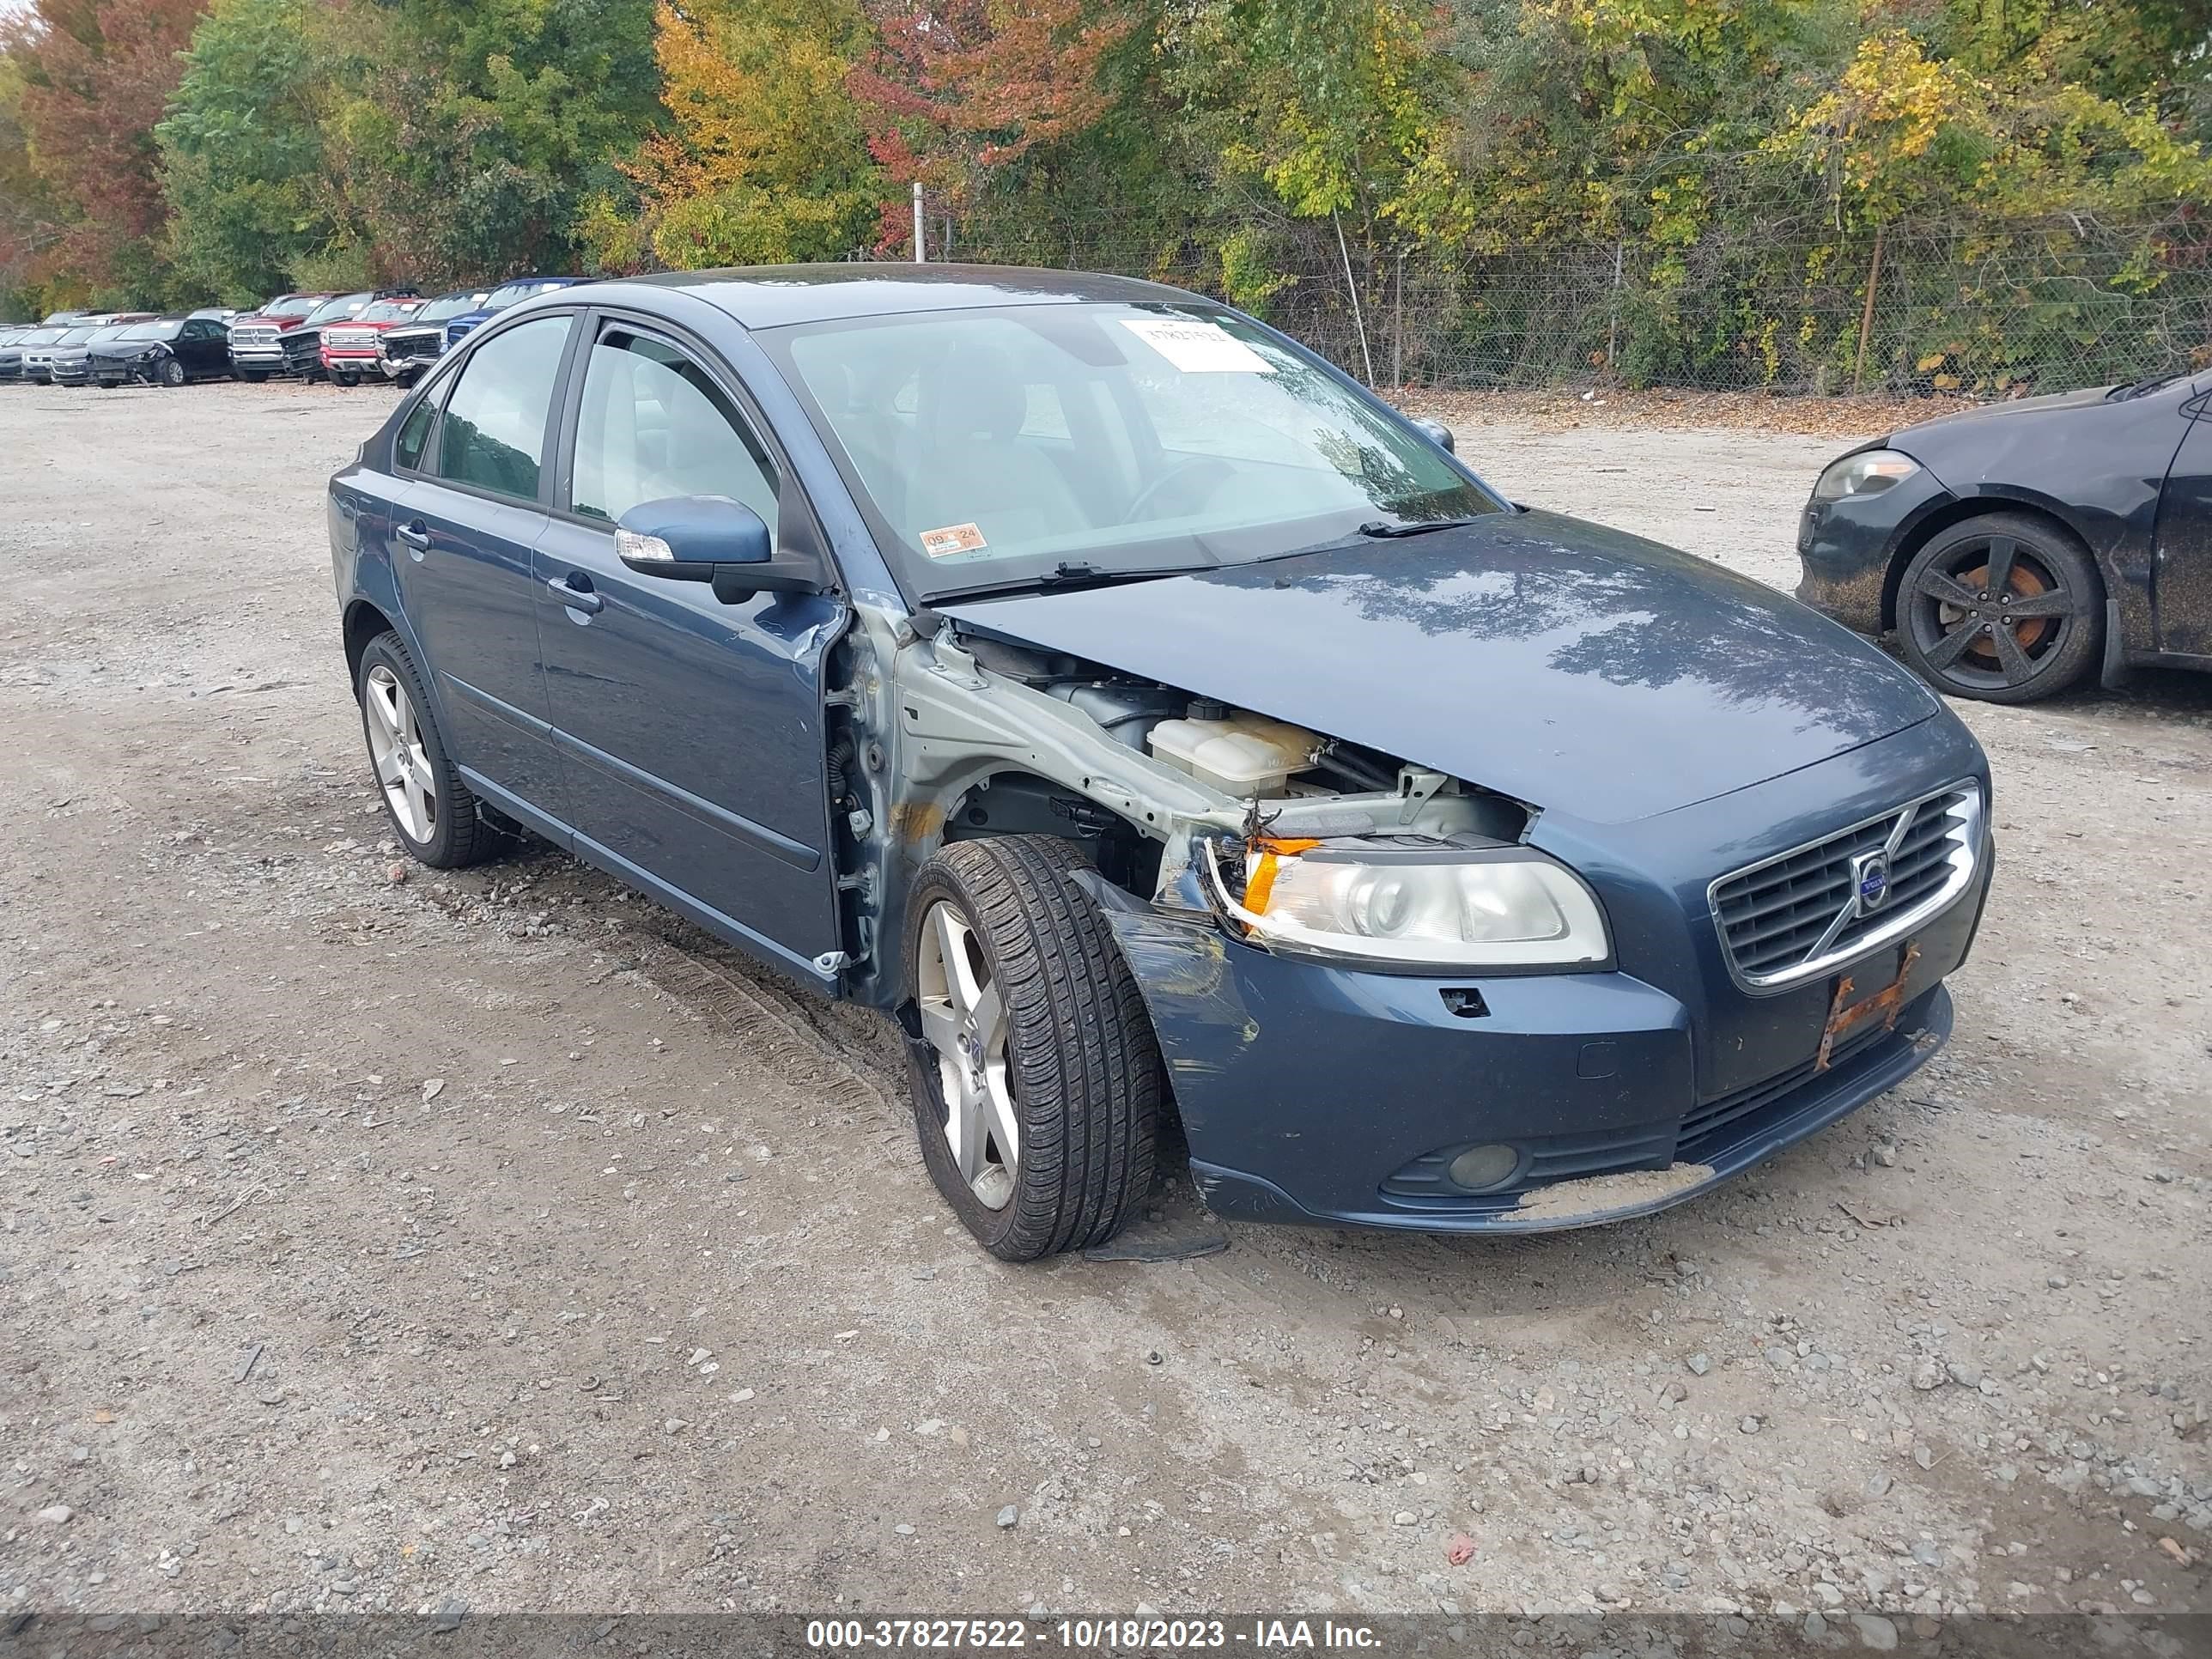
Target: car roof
<point>769,296</point>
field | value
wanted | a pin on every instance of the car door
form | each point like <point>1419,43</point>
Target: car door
<point>210,341</point>
<point>2181,577</point>
<point>467,527</point>
<point>690,729</point>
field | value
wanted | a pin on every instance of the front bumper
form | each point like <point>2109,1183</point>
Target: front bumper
<point>1332,1097</point>
<point>353,359</point>
<point>1319,1092</point>
<point>1845,549</point>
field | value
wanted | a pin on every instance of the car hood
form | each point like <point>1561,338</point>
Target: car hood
<point>125,348</point>
<point>1572,667</point>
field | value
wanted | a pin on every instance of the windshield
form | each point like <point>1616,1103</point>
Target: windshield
<point>165,331</point>
<point>290,305</point>
<point>107,334</point>
<point>76,337</point>
<point>515,293</point>
<point>41,336</point>
<point>452,305</point>
<point>387,311</point>
<point>1028,443</point>
<point>345,306</point>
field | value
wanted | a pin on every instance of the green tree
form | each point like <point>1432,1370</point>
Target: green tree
<point>242,159</point>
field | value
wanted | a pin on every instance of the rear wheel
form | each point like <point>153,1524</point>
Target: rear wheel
<point>432,812</point>
<point>2004,608</point>
<point>1036,1078</point>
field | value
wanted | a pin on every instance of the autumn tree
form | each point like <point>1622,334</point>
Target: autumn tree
<point>95,77</point>
<point>763,160</point>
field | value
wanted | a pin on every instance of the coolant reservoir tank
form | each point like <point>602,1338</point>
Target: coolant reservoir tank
<point>1242,755</point>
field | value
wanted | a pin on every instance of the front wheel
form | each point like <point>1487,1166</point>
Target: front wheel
<point>346,381</point>
<point>172,373</point>
<point>1036,1078</point>
<point>432,812</point>
<point>252,376</point>
<point>2004,608</point>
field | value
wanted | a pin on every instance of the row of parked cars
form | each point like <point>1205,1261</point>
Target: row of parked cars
<point>391,334</point>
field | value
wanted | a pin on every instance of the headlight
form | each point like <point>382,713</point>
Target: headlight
<point>1502,907</point>
<point>1868,473</point>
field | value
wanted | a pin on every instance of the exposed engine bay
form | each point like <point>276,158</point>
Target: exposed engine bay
<point>1176,798</point>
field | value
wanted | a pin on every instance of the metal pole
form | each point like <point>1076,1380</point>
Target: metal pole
<point>1398,328</point>
<point>1612,328</point>
<point>920,227</point>
<point>1352,288</point>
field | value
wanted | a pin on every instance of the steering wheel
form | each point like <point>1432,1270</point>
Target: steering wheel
<point>1180,472</point>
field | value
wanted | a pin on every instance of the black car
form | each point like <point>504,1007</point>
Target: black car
<point>170,350</point>
<point>2014,549</point>
<point>404,352</point>
<point>31,339</point>
<point>70,362</point>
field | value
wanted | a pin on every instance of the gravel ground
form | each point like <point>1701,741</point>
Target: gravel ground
<point>375,1238</point>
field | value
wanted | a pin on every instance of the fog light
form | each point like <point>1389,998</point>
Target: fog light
<point>1479,1169</point>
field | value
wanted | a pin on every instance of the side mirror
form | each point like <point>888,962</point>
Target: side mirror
<point>709,538</point>
<point>1436,431</point>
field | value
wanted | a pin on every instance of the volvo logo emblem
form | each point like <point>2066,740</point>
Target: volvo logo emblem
<point>1870,881</point>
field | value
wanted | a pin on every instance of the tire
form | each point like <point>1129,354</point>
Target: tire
<point>2004,608</point>
<point>172,373</point>
<point>431,810</point>
<point>1071,1061</point>
<point>347,382</point>
<point>253,376</point>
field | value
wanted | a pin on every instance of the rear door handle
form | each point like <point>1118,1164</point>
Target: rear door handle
<point>576,599</point>
<point>416,535</point>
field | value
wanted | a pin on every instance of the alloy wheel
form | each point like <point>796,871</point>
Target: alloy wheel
<point>395,748</point>
<point>963,1019</point>
<point>1991,613</point>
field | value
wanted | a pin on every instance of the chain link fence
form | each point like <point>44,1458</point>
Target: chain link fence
<point>1987,309</point>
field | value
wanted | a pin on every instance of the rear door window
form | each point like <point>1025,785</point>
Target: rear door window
<point>493,437</point>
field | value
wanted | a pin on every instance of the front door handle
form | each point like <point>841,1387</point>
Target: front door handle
<point>576,599</point>
<point>416,535</point>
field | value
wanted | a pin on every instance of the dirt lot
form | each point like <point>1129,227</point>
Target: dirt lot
<point>496,1239</point>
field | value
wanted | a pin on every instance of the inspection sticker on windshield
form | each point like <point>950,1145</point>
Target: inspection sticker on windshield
<point>953,538</point>
<point>1198,348</point>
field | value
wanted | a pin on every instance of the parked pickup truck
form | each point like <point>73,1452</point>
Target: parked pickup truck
<point>348,349</point>
<point>257,341</point>
<point>405,349</point>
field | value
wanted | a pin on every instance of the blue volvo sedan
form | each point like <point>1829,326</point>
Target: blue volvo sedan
<point>1161,728</point>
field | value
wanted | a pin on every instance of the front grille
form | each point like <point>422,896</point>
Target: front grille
<point>1795,917</point>
<point>255,334</point>
<point>410,345</point>
<point>348,339</point>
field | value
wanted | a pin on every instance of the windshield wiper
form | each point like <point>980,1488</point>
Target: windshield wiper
<point>2142,388</point>
<point>1073,573</point>
<point>1417,527</point>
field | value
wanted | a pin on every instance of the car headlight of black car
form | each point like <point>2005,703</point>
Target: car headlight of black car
<point>1507,909</point>
<point>1867,473</point>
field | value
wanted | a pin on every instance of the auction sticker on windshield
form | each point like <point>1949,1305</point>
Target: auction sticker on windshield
<point>1198,348</point>
<point>953,538</point>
